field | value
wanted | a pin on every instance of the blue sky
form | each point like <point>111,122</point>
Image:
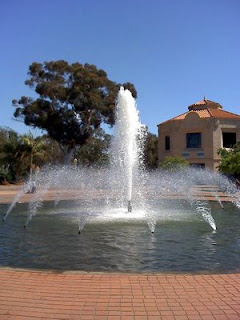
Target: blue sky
<point>174,51</point>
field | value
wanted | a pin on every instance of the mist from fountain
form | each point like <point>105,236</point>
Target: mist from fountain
<point>124,191</point>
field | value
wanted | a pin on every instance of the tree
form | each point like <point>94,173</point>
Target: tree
<point>173,164</point>
<point>95,151</point>
<point>73,100</point>
<point>33,150</point>
<point>11,156</point>
<point>230,160</point>
<point>150,151</point>
<point>7,137</point>
<point>20,153</point>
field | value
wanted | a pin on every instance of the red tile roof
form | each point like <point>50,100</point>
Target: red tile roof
<point>205,104</point>
<point>217,113</point>
<point>207,113</point>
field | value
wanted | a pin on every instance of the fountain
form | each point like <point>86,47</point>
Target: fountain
<point>125,147</point>
<point>114,208</point>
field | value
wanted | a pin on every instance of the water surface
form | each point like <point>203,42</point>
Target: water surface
<point>119,242</point>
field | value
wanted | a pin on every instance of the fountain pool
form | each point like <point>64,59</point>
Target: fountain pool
<point>122,218</point>
<point>112,241</point>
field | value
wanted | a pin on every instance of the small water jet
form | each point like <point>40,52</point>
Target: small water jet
<point>204,209</point>
<point>14,202</point>
<point>218,199</point>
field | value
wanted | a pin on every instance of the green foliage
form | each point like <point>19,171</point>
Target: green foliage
<point>53,151</point>
<point>33,150</point>
<point>73,100</point>
<point>19,154</point>
<point>11,155</point>
<point>95,151</point>
<point>6,135</point>
<point>5,175</point>
<point>230,160</point>
<point>173,164</point>
<point>150,151</point>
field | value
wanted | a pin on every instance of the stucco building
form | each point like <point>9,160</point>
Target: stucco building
<point>198,134</point>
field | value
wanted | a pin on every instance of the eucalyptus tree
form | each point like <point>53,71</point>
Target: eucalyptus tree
<point>72,101</point>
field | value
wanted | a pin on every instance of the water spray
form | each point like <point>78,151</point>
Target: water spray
<point>14,202</point>
<point>125,147</point>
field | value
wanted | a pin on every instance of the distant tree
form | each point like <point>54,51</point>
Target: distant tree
<point>19,154</point>
<point>230,160</point>
<point>173,164</point>
<point>73,100</point>
<point>9,137</point>
<point>33,150</point>
<point>6,134</point>
<point>11,156</point>
<point>151,151</point>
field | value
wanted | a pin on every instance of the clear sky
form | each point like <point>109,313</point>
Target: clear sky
<point>174,51</point>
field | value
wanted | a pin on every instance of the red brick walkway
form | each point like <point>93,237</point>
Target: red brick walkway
<point>68,295</point>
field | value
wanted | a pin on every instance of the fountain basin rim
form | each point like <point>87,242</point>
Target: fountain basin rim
<point>170,198</point>
<point>114,273</point>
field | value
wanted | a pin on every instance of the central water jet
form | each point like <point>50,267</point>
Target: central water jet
<point>125,144</point>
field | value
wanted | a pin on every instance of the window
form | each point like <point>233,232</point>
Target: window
<point>193,140</point>
<point>229,139</point>
<point>167,143</point>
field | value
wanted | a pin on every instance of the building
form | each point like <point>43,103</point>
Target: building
<point>198,134</point>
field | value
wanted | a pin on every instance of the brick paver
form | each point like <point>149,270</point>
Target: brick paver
<point>33,295</point>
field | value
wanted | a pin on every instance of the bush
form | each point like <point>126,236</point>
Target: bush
<point>173,164</point>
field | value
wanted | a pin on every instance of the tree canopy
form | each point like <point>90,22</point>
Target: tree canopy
<point>73,100</point>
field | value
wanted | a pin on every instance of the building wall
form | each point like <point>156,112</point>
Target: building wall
<point>211,138</point>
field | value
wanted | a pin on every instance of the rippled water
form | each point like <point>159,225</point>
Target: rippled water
<point>119,241</point>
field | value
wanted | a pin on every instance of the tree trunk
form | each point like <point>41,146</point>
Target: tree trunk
<point>31,169</point>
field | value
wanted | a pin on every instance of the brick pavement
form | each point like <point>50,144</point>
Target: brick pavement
<point>7,194</point>
<point>30,294</point>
